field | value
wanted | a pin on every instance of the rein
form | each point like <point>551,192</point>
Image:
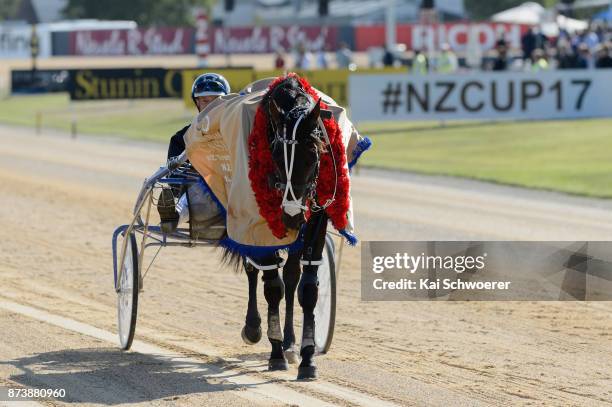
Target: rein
<point>323,191</point>
<point>291,205</point>
<point>331,151</point>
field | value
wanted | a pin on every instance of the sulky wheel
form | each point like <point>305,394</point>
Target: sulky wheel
<point>127,292</point>
<point>325,310</point>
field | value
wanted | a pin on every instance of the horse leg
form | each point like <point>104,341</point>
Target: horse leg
<point>291,277</point>
<point>308,292</point>
<point>251,332</point>
<point>274,290</point>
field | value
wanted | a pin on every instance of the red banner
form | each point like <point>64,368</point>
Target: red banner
<point>151,41</point>
<point>246,40</point>
<point>418,36</point>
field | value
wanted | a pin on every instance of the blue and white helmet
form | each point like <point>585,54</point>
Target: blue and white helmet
<point>209,84</point>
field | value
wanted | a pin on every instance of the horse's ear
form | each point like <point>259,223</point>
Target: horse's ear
<point>314,114</point>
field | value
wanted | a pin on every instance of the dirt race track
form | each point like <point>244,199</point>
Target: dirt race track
<point>62,198</point>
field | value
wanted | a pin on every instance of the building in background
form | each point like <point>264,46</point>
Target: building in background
<point>40,11</point>
<point>340,12</point>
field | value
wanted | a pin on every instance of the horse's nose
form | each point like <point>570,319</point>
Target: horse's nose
<point>293,222</point>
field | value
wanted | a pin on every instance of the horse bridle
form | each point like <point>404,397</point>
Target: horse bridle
<point>291,205</point>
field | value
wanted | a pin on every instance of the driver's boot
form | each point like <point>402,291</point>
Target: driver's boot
<point>167,211</point>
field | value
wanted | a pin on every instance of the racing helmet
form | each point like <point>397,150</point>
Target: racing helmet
<point>209,84</point>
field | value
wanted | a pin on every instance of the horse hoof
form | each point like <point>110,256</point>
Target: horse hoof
<point>250,335</point>
<point>307,373</point>
<point>292,355</point>
<point>277,364</point>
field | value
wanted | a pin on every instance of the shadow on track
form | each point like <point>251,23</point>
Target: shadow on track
<point>108,376</point>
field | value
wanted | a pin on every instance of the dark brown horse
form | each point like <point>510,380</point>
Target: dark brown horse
<point>296,143</point>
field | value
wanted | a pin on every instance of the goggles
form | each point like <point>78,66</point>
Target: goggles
<point>209,88</point>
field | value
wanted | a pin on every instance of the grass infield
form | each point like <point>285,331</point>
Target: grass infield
<point>572,156</point>
<point>568,156</point>
<point>155,119</point>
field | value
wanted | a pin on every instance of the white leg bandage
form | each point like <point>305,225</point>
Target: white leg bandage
<point>183,209</point>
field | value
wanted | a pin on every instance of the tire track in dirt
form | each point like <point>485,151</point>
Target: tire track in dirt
<point>412,353</point>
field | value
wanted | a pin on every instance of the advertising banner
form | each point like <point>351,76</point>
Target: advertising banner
<point>39,81</point>
<point>15,41</point>
<point>150,41</point>
<point>432,36</point>
<point>511,95</point>
<point>149,83</point>
<point>333,82</point>
<point>247,40</point>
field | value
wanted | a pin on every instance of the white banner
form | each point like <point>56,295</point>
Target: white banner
<point>15,41</point>
<point>480,95</point>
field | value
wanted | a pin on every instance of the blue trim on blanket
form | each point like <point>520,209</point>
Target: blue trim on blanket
<point>350,238</point>
<point>362,146</point>
<point>210,192</point>
<point>248,250</point>
<point>256,252</point>
<point>264,251</point>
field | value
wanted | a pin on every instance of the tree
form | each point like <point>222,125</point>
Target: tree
<point>483,9</point>
<point>8,9</point>
<point>144,12</point>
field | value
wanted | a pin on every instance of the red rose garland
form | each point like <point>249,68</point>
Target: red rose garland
<point>261,166</point>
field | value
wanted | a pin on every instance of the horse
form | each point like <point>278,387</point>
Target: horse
<point>296,181</point>
<point>296,143</point>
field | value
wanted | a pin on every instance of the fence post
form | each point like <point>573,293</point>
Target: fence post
<point>38,122</point>
<point>73,121</point>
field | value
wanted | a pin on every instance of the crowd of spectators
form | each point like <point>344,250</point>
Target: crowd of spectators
<point>587,49</point>
<point>305,59</point>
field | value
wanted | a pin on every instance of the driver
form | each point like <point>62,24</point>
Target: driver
<point>205,89</point>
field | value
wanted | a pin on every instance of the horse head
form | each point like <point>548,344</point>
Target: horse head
<point>296,142</point>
